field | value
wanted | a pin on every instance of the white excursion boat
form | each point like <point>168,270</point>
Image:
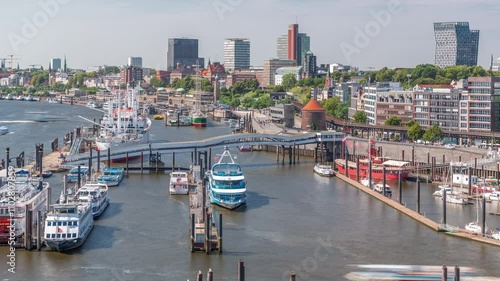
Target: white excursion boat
<point>3,130</point>
<point>226,183</point>
<point>124,126</point>
<point>179,183</point>
<point>28,192</point>
<point>494,196</point>
<point>68,225</point>
<point>323,170</point>
<point>96,194</point>
<point>456,199</point>
<point>387,191</point>
<point>443,188</point>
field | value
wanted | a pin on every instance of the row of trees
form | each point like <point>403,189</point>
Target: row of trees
<point>426,74</point>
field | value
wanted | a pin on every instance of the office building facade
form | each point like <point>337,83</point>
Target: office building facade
<point>183,51</point>
<point>282,47</point>
<point>135,62</point>
<point>236,54</point>
<point>270,67</point>
<point>456,44</point>
<point>55,64</point>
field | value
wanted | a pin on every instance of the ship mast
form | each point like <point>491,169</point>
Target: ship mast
<point>197,101</point>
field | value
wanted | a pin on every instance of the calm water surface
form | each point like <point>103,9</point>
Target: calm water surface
<point>291,213</point>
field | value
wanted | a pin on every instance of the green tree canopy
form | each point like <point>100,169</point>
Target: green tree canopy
<point>335,107</point>
<point>393,121</point>
<point>360,117</point>
<point>157,83</point>
<point>289,81</point>
<point>433,134</point>
<point>415,132</point>
<point>410,123</point>
<point>278,88</point>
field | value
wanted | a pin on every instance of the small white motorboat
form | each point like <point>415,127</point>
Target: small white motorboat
<point>323,170</point>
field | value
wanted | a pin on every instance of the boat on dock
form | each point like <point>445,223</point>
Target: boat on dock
<point>73,174</point>
<point>179,183</point>
<point>245,148</point>
<point>226,183</point>
<point>111,176</point>
<point>366,182</point>
<point>68,225</point>
<point>323,170</point>
<point>96,195</point>
<point>28,192</point>
<point>387,191</point>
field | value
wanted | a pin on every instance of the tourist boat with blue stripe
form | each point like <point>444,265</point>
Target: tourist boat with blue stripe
<point>111,176</point>
<point>73,174</point>
<point>226,183</point>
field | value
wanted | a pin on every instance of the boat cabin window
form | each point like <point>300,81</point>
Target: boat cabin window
<point>47,236</point>
<point>58,235</point>
<point>59,223</point>
<point>229,184</point>
<point>74,235</point>
<point>64,235</point>
<point>49,223</point>
<point>65,223</point>
<point>53,236</point>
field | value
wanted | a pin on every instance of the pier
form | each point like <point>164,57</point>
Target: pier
<point>458,232</point>
<point>204,234</point>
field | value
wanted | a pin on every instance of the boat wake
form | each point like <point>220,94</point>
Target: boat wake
<point>17,121</point>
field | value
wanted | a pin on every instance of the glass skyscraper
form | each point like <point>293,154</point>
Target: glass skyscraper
<point>456,44</point>
<point>183,51</point>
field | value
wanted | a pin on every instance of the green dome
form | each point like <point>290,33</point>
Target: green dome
<point>181,90</point>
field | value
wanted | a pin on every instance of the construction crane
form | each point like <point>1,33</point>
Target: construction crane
<point>11,60</point>
<point>32,66</point>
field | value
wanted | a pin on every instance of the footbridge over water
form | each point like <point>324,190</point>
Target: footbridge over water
<point>235,140</point>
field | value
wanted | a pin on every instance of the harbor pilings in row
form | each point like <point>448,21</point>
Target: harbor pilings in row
<point>418,196</point>
<point>384,171</point>
<point>89,174</point>
<point>39,230</point>
<point>99,160</point>
<point>109,157</point>
<point>126,163</point>
<point>444,207</point>
<point>400,183</point>
<point>241,270</point>
<point>357,168</point>
<point>484,216</point>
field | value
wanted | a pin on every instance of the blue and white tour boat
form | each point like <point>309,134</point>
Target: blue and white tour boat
<point>226,183</point>
<point>111,176</point>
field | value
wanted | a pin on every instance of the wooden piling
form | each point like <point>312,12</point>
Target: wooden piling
<point>444,275</point>
<point>292,276</point>
<point>79,183</point>
<point>241,270</point>
<point>278,154</point>
<point>157,160</point>
<point>220,233</point>
<point>282,155</point>
<point>99,160</point>
<point>210,275</point>
<point>109,157</point>
<point>39,230</point>
<point>457,273</point>
<point>444,207</point>
<point>357,168</point>
<point>484,217</point>
<point>384,172</point>
<point>402,155</point>
<point>413,156</point>
<point>400,183</point>
<point>418,196</point>
<point>126,163</point>
<point>470,180</point>
<point>142,162</point>
<point>199,276</point>
<point>290,155</point>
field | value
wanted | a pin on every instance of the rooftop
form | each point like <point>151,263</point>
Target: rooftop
<point>313,105</point>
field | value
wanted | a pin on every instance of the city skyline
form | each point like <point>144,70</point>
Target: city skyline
<point>97,33</point>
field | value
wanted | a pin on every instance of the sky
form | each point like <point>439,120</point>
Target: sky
<point>364,33</point>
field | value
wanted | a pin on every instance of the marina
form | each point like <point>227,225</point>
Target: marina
<point>257,230</point>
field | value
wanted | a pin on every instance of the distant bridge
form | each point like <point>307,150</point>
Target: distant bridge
<point>235,140</point>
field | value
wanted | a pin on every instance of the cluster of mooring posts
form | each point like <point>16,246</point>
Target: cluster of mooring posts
<point>204,235</point>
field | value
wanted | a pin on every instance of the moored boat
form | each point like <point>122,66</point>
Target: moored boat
<point>474,228</point>
<point>323,170</point>
<point>179,183</point>
<point>386,190</point>
<point>111,176</point>
<point>68,225</point>
<point>96,194</point>
<point>28,192</point>
<point>245,148</point>
<point>226,183</point>
<point>393,169</point>
<point>73,174</point>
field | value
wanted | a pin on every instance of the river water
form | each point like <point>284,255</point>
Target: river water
<point>294,220</point>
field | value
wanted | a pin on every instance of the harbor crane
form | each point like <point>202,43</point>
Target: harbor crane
<point>10,59</point>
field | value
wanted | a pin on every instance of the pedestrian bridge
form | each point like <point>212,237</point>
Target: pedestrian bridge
<point>234,140</point>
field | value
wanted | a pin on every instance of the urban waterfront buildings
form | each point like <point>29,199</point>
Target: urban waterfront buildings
<point>282,71</point>
<point>480,107</point>
<point>456,44</point>
<point>270,67</point>
<point>236,54</point>
<point>310,65</point>
<point>183,51</point>
<point>282,47</point>
<point>130,75</point>
<point>293,45</point>
<point>437,105</point>
<point>135,62</point>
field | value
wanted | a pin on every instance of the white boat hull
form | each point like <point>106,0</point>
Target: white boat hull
<point>178,190</point>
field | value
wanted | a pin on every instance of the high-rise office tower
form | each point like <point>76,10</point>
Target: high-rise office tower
<point>293,45</point>
<point>282,47</point>
<point>135,62</point>
<point>183,51</point>
<point>456,44</point>
<point>236,54</point>
<point>55,64</point>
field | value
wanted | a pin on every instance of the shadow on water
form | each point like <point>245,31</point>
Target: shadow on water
<point>111,211</point>
<point>101,237</point>
<point>255,201</point>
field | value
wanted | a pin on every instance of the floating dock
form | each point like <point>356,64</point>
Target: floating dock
<point>457,232</point>
<point>204,234</point>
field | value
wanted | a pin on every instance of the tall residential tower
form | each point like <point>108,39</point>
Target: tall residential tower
<point>183,51</point>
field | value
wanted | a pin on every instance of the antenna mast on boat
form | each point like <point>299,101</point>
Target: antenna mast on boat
<point>197,108</point>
